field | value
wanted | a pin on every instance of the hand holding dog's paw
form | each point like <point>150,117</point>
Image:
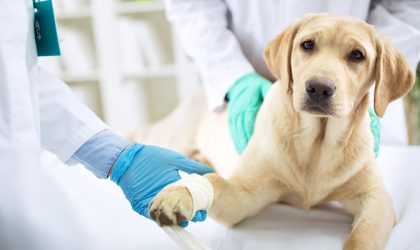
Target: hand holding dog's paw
<point>142,171</point>
<point>174,205</point>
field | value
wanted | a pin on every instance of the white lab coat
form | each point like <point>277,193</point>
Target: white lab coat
<point>37,111</point>
<point>226,38</point>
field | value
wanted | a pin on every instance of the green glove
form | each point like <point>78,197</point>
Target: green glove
<point>375,127</point>
<point>245,98</point>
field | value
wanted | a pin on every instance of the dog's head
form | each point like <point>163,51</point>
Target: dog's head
<point>330,61</point>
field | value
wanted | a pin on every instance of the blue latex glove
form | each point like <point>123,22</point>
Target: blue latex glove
<point>142,171</point>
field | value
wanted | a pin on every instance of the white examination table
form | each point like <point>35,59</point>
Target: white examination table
<point>110,223</point>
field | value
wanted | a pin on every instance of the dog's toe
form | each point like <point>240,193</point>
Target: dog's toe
<point>171,206</point>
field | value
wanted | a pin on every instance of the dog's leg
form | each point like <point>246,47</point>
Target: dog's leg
<point>241,196</point>
<point>374,216</point>
<point>234,199</point>
<point>374,220</point>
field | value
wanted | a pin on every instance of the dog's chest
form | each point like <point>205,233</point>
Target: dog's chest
<point>310,183</point>
<point>312,170</point>
<point>312,164</point>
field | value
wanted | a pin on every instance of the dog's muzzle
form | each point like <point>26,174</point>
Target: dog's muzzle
<point>319,92</point>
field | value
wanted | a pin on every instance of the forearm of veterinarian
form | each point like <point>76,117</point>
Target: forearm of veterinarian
<point>65,122</point>
<point>225,71</point>
<point>216,52</point>
<point>100,152</point>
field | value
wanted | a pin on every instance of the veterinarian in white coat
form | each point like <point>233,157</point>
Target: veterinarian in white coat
<point>226,39</point>
<point>38,111</point>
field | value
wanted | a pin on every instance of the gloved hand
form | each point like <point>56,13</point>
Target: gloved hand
<point>142,171</point>
<point>375,128</point>
<point>245,98</point>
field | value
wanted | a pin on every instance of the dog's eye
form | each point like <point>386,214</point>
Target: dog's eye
<point>308,45</point>
<point>356,55</point>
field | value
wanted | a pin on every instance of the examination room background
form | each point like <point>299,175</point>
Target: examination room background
<point>123,59</point>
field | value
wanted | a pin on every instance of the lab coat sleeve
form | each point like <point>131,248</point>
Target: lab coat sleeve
<point>65,123</point>
<point>100,152</point>
<point>400,22</point>
<point>202,26</point>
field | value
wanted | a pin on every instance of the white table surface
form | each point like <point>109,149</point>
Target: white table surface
<point>111,224</point>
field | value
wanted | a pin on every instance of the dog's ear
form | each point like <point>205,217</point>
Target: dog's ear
<point>278,53</point>
<point>394,76</point>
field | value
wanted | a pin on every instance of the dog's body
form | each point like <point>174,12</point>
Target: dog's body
<point>312,141</point>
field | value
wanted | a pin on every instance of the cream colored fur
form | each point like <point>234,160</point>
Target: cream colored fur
<point>295,156</point>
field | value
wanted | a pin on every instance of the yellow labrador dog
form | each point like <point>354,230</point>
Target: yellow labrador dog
<point>312,140</point>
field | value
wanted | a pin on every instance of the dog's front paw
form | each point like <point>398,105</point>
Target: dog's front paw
<point>171,206</point>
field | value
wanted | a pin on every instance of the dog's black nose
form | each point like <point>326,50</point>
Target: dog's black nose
<point>319,88</point>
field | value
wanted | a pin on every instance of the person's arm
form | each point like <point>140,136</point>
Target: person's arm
<point>65,122</point>
<point>202,26</point>
<point>400,22</point>
<point>227,75</point>
<point>76,135</point>
<point>141,171</point>
<point>100,152</point>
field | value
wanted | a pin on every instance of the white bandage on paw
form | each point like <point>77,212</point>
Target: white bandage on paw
<point>200,188</point>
